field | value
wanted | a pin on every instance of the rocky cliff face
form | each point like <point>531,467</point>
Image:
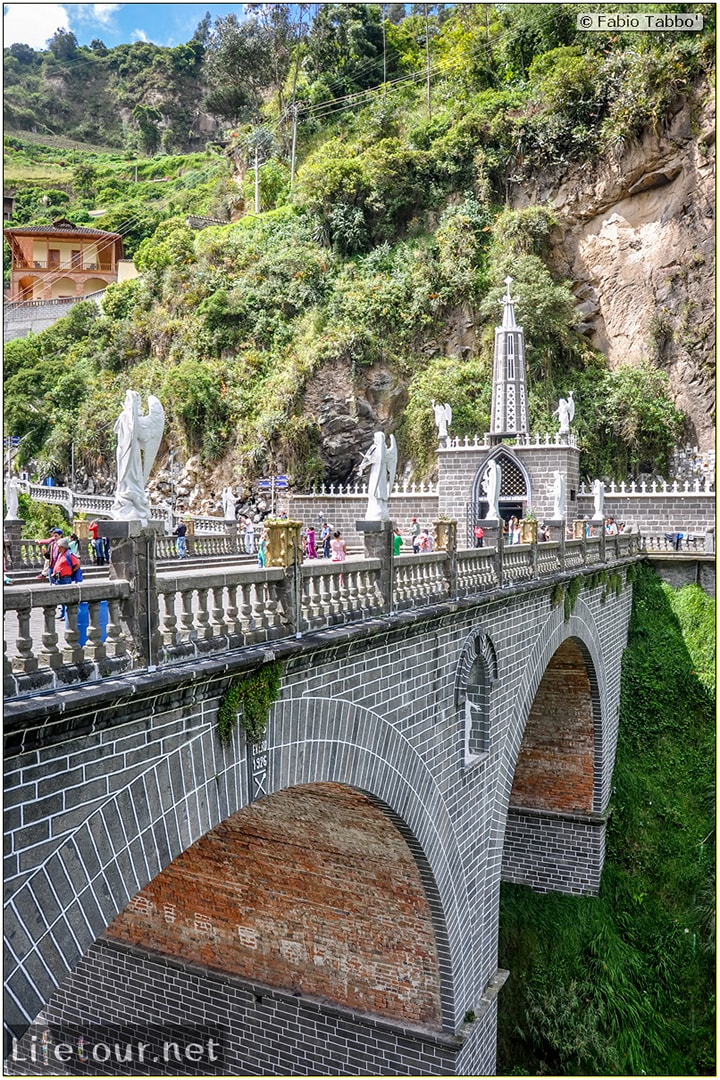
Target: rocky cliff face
<point>637,239</point>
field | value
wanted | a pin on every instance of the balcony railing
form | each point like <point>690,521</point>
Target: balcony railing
<point>43,264</point>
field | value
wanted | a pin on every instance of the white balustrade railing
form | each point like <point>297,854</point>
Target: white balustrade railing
<point>419,580</point>
<point>702,485</point>
<point>548,558</point>
<point>476,570</point>
<point>518,563</point>
<point>90,636</point>
<point>201,611</point>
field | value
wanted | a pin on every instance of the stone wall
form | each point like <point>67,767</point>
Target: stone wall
<point>341,511</point>
<point>103,796</point>
<point>655,513</point>
<point>21,319</point>
<point>555,767</point>
<point>131,996</point>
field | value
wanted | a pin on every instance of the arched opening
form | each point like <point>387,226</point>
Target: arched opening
<point>63,289</point>
<point>515,493</point>
<point>477,709</point>
<point>93,285</point>
<point>310,890</point>
<point>26,289</point>
<point>555,767</point>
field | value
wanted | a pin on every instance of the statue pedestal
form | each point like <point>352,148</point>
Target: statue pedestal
<point>132,558</point>
<point>12,533</point>
<point>378,536</point>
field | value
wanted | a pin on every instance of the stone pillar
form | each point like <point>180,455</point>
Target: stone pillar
<point>378,536</point>
<point>12,532</point>
<point>559,524</point>
<point>284,550</point>
<point>132,558</point>
<point>445,539</point>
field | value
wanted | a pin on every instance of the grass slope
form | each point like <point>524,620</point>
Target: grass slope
<point>623,984</point>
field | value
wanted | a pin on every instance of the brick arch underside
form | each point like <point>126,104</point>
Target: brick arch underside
<point>312,890</point>
<point>555,767</point>
<point>68,902</point>
<point>556,748</point>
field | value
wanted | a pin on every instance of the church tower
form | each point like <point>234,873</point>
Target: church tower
<point>509,415</point>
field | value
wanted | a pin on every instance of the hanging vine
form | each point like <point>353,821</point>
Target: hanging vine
<point>249,701</point>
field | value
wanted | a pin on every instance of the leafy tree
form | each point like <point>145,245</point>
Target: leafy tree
<point>63,44</point>
<point>640,414</point>
<point>345,47</point>
<point>23,53</point>
<point>84,179</point>
<point>147,119</point>
<point>530,30</point>
<point>238,67</point>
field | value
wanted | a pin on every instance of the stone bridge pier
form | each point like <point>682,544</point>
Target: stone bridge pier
<point>326,901</point>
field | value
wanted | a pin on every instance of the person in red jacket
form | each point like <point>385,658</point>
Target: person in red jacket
<point>64,568</point>
<point>66,563</point>
<point>50,543</point>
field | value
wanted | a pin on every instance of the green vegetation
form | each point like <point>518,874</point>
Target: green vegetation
<point>624,983</point>
<point>393,234</point>
<point>249,700</point>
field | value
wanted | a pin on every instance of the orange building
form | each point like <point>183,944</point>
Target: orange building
<point>61,261</point>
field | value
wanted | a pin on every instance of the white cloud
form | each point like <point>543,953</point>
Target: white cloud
<point>33,24</point>
<point>101,14</point>
<point>139,35</point>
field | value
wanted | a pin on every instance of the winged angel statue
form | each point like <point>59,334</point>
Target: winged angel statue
<point>565,413</point>
<point>138,439</point>
<point>443,418</point>
<point>382,461</point>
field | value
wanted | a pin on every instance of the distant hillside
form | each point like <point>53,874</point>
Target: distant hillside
<point>137,96</point>
<point>368,282</point>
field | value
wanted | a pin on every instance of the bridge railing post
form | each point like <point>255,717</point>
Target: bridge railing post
<point>133,559</point>
<point>602,542</point>
<point>499,556</point>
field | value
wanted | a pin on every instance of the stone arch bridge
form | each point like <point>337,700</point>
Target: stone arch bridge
<point>327,901</point>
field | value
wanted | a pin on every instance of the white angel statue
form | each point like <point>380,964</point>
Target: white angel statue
<point>443,418</point>
<point>228,501</point>
<point>492,478</point>
<point>382,461</point>
<point>138,439</point>
<point>598,490</point>
<point>558,496</point>
<point>565,413</point>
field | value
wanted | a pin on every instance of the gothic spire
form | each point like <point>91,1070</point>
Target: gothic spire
<point>509,400</point>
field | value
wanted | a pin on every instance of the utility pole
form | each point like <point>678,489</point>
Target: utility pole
<point>382,15</point>
<point>294,141</point>
<point>257,179</point>
<point>427,58</point>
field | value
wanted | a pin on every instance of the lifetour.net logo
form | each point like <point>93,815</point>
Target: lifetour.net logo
<point>112,1052</point>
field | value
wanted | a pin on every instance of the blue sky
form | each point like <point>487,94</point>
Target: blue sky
<point>115,24</point>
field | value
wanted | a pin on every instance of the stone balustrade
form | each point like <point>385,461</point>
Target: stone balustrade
<point>702,485</point>
<point>47,652</point>
<point>420,580</point>
<point>214,610</point>
<point>476,570</point>
<point>196,612</point>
